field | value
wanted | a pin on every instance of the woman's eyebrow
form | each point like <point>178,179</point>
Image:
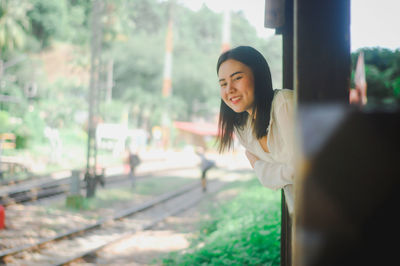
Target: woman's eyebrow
<point>237,72</point>
<point>231,75</point>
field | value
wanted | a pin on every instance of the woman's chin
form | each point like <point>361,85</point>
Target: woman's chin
<point>238,110</point>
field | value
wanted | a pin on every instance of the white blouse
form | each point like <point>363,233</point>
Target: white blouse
<point>275,169</point>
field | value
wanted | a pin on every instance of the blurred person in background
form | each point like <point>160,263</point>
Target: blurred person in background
<point>133,160</point>
<point>205,165</point>
<point>261,118</point>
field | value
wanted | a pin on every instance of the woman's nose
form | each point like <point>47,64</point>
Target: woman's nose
<point>229,87</point>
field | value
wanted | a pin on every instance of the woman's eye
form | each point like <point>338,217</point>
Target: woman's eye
<point>223,85</point>
<point>237,78</point>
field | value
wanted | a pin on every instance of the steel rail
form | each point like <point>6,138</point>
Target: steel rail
<point>92,252</point>
<point>26,193</point>
<point>122,214</point>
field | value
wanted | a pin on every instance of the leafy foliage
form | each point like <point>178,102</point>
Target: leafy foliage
<point>134,40</point>
<point>4,122</point>
<point>14,25</point>
<point>243,231</point>
<point>48,19</point>
<point>382,67</point>
<point>77,21</point>
<point>149,16</point>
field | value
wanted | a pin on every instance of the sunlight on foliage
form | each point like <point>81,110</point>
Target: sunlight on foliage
<point>243,231</point>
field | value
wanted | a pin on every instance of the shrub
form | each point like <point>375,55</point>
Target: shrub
<point>243,231</point>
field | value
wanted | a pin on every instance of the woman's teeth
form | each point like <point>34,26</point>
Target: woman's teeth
<point>235,99</point>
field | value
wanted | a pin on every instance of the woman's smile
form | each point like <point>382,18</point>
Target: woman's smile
<point>235,100</point>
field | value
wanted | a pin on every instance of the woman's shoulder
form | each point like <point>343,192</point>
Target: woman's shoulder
<point>286,93</point>
<point>243,133</point>
<point>283,95</point>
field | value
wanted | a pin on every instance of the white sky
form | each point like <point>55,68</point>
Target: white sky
<point>373,23</point>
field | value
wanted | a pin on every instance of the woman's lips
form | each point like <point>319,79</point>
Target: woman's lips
<point>235,100</point>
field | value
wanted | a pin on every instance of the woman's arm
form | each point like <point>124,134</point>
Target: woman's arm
<point>252,158</point>
<point>273,175</point>
<point>277,174</point>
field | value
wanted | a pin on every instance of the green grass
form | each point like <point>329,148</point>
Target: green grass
<point>158,185</point>
<point>109,197</point>
<point>242,231</point>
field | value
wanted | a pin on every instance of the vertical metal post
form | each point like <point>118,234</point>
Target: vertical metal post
<point>1,68</point>
<point>1,83</point>
<point>75,185</point>
<point>167,81</point>
<point>226,30</point>
<point>109,81</point>
<point>1,171</point>
<point>91,160</point>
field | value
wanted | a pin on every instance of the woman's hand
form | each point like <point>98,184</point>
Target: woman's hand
<point>252,158</point>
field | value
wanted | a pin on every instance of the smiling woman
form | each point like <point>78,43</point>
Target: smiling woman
<point>237,90</point>
<point>260,117</point>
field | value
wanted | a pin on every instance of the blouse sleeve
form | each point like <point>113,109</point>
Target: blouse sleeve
<point>274,174</point>
<point>285,123</point>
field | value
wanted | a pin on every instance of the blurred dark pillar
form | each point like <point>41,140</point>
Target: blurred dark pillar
<point>346,191</point>
<point>346,185</point>
<point>349,192</point>
<point>279,15</point>
<point>322,50</point>
<point>287,67</point>
<point>321,77</point>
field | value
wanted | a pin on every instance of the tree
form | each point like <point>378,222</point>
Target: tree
<point>48,20</point>
<point>14,25</point>
<point>139,57</point>
<point>146,15</point>
<point>78,18</point>
<point>134,38</point>
<point>382,69</point>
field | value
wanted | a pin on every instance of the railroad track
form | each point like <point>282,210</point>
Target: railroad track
<point>86,241</point>
<point>147,164</point>
<point>28,193</point>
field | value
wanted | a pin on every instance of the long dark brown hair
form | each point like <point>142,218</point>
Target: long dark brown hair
<point>229,120</point>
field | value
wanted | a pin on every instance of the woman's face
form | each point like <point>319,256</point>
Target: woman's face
<point>237,85</point>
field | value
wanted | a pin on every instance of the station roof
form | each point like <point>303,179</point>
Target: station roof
<point>197,128</point>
